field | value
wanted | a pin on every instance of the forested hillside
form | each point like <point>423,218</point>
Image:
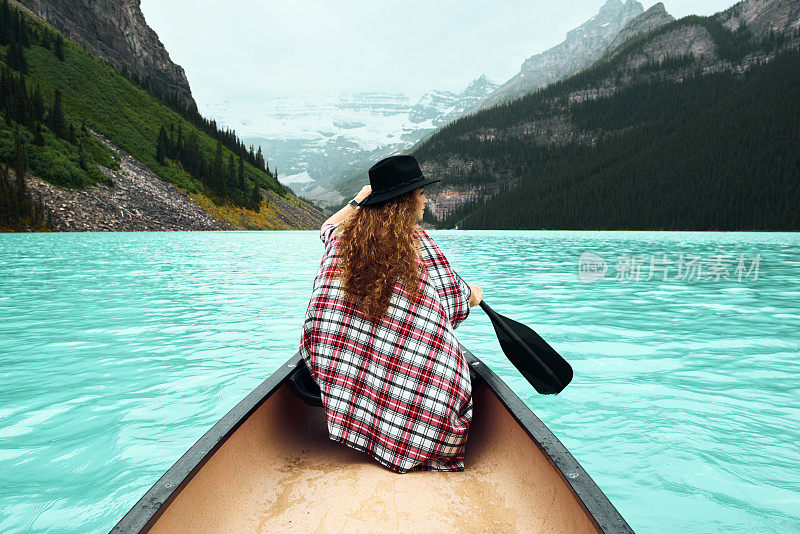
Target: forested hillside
<point>53,93</point>
<point>681,142</point>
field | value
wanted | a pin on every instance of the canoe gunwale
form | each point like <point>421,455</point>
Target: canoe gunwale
<point>149,508</point>
<point>595,503</point>
<point>143,515</point>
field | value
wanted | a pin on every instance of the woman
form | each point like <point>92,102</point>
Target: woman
<point>378,336</point>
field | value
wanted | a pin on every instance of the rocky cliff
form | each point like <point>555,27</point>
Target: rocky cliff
<point>763,16</point>
<point>582,47</point>
<point>117,32</point>
<point>651,19</point>
<point>758,17</point>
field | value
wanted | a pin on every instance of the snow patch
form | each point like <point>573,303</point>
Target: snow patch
<point>299,178</point>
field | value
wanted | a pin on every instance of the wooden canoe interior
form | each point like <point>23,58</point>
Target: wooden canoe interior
<point>279,472</point>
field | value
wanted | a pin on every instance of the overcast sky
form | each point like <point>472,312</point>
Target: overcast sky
<point>253,49</point>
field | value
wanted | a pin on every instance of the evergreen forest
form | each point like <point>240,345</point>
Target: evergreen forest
<point>54,93</point>
<point>677,149</point>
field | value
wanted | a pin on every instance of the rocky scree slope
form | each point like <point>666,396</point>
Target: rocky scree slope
<point>117,32</point>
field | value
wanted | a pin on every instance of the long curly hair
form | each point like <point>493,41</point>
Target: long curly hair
<point>378,246</point>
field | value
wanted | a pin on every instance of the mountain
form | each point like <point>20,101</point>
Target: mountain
<point>583,46</point>
<point>333,170</point>
<point>319,141</point>
<point>323,144</point>
<point>691,125</point>
<point>118,33</point>
<point>83,147</point>
<point>437,108</point>
<point>653,18</point>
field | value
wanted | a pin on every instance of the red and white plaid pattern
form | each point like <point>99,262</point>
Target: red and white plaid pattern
<point>398,389</point>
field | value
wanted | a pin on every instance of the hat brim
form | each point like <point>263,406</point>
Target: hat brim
<point>373,199</point>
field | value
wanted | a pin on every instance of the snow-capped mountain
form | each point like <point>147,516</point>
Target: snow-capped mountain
<point>320,142</point>
<point>317,141</point>
<point>437,108</point>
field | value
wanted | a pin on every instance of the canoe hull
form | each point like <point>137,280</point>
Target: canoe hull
<point>277,470</point>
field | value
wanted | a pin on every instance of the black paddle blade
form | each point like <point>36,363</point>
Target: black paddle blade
<point>538,362</point>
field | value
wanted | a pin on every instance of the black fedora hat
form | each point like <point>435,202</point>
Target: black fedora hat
<point>394,176</point>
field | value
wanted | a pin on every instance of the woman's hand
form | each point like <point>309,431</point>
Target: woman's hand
<point>347,210</point>
<point>477,295</point>
<point>365,191</point>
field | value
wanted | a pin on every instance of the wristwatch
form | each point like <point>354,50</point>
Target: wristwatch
<point>354,203</point>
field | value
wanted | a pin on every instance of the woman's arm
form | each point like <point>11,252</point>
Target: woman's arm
<point>348,210</point>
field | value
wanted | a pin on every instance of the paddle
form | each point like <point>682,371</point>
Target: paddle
<point>538,362</point>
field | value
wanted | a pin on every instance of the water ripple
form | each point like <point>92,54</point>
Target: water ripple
<point>119,350</point>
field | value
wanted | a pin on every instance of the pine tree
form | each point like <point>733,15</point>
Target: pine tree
<point>260,159</point>
<point>5,196</point>
<point>230,177</point>
<point>240,175</point>
<point>161,146</point>
<point>257,197</point>
<point>179,144</point>
<point>15,58</point>
<point>38,104</point>
<point>60,48</point>
<point>20,167</point>
<point>38,138</point>
<point>11,199</point>
<point>217,178</point>
<point>57,121</point>
<point>82,160</point>
<point>22,31</point>
<point>5,18</point>
<point>19,102</point>
<point>5,91</point>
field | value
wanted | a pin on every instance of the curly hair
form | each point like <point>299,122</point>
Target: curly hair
<point>379,245</point>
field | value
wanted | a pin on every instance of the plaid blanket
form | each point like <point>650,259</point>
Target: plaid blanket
<point>398,389</point>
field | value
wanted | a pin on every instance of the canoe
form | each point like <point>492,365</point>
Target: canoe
<point>269,466</point>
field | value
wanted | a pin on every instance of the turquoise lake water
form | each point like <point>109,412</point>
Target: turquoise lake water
<point>119,350</point>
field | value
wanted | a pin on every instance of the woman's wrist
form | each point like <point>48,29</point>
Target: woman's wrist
<point>363,194</point>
